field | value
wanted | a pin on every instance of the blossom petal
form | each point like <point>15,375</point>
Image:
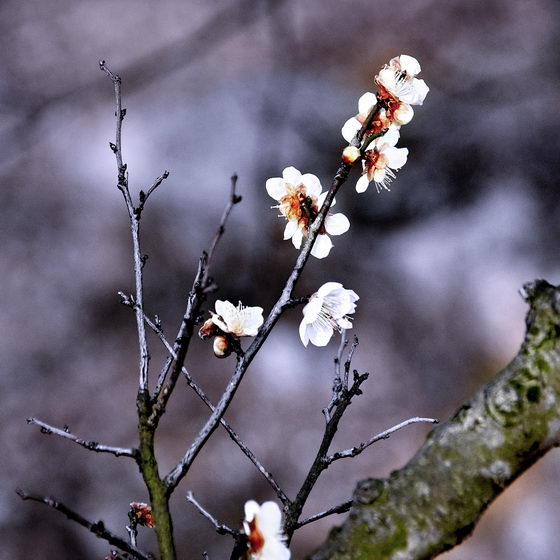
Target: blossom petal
<point>420,91</point>
<point>349,129</point>
<point>297,238</point>
<point>312,309</point>
<point>290,229</point>
<point>292,176</point>
<point>409,65</point>
<point>337,224</point>
<point>270,519</point>
<point>304,336</point>
<point>362,184</point>
<point>312,184</point>
<point>366,102</point>
<point>276,187</point>
<point>396,157</point>
<point>319,336</point>
<point>322,246</point>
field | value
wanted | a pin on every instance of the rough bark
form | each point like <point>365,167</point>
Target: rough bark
<point>434,502</point>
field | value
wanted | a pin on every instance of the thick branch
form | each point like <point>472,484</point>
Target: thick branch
<point>434,502</point>
<point>91,445</point>
<point>97,528</point>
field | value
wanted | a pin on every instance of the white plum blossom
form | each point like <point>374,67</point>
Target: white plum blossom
<point>398,80</point>
<point>327,311</point>
<point>300,199</point>
<point>237,321</point>
<point>263,527</point>
<point>380,160</point>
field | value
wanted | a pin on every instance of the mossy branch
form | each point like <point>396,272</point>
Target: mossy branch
<point>434,502</point>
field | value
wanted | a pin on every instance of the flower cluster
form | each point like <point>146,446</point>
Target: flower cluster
<point>300,199</point>
<point>327,311</point>
<point>228,324</point>
<point>263,527</point>
<point>380,117</point>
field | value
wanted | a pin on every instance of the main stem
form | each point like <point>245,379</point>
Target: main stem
<point>157,488</point>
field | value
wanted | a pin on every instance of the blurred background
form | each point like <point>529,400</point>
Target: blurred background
<point>249,86</point>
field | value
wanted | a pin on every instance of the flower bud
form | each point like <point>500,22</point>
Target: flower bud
<point>208,329</point>
<point>221,347</point>
<point>351,154</point>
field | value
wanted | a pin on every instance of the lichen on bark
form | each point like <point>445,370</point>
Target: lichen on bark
<point>434,502</point>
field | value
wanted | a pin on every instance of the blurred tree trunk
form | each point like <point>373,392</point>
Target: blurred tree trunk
<point>434,502</point>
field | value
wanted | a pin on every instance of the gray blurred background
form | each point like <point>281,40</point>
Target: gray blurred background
<point>213,88</point>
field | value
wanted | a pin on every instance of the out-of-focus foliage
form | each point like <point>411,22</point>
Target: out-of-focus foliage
<point>248,86</point>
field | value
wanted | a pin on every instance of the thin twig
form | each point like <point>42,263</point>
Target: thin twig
<point>203,284</point>
<point>220,527</point>
<point>234,199</point>
<point>139,260</point>
<point>337,381</point>
<point>97,528</point>
<point>233,435</point>
<point>145,195</point>
<point>341,508</point>
<point>243,361</point>
<point>320,462</point>
<point>182,341</point>
<point>88,444</point>
<point>348,361</point>
<point>352,452</point>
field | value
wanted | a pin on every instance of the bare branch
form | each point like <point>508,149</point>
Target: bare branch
<point>383,435</point>
<point>97,528</point>
<point>233,435</point>
<point>88,444</point>
<point>234,199</point>
<point>321,462</point>
<point>220,527</point>
<point>139,260</point>
<point>341,508</point>
<point>145,195</point>
<point>337,382</point>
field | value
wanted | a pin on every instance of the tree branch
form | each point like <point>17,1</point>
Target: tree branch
<point>91,445</point>
<point>231,432</point>
<point>221,528</point>
<point>434,502</point>
<point>356,450</point>
<point>97,528</point>
<point>243,361</point>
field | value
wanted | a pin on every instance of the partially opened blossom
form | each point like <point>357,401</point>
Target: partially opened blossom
<point>327,311</point>
<point>397,80</point>
<point>263,527</point>
<point>300,199</point>
<point>228,324</point>
<point>237,321</point>
<point>381,160</point>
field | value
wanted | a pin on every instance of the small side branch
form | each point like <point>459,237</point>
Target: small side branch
<point>220,527</point>
<point>352,452</point>
<point>341,508</point>
<point>97,528</point>
<point>234,199</point>
<point>88,444</point>
<point>145,195</point>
